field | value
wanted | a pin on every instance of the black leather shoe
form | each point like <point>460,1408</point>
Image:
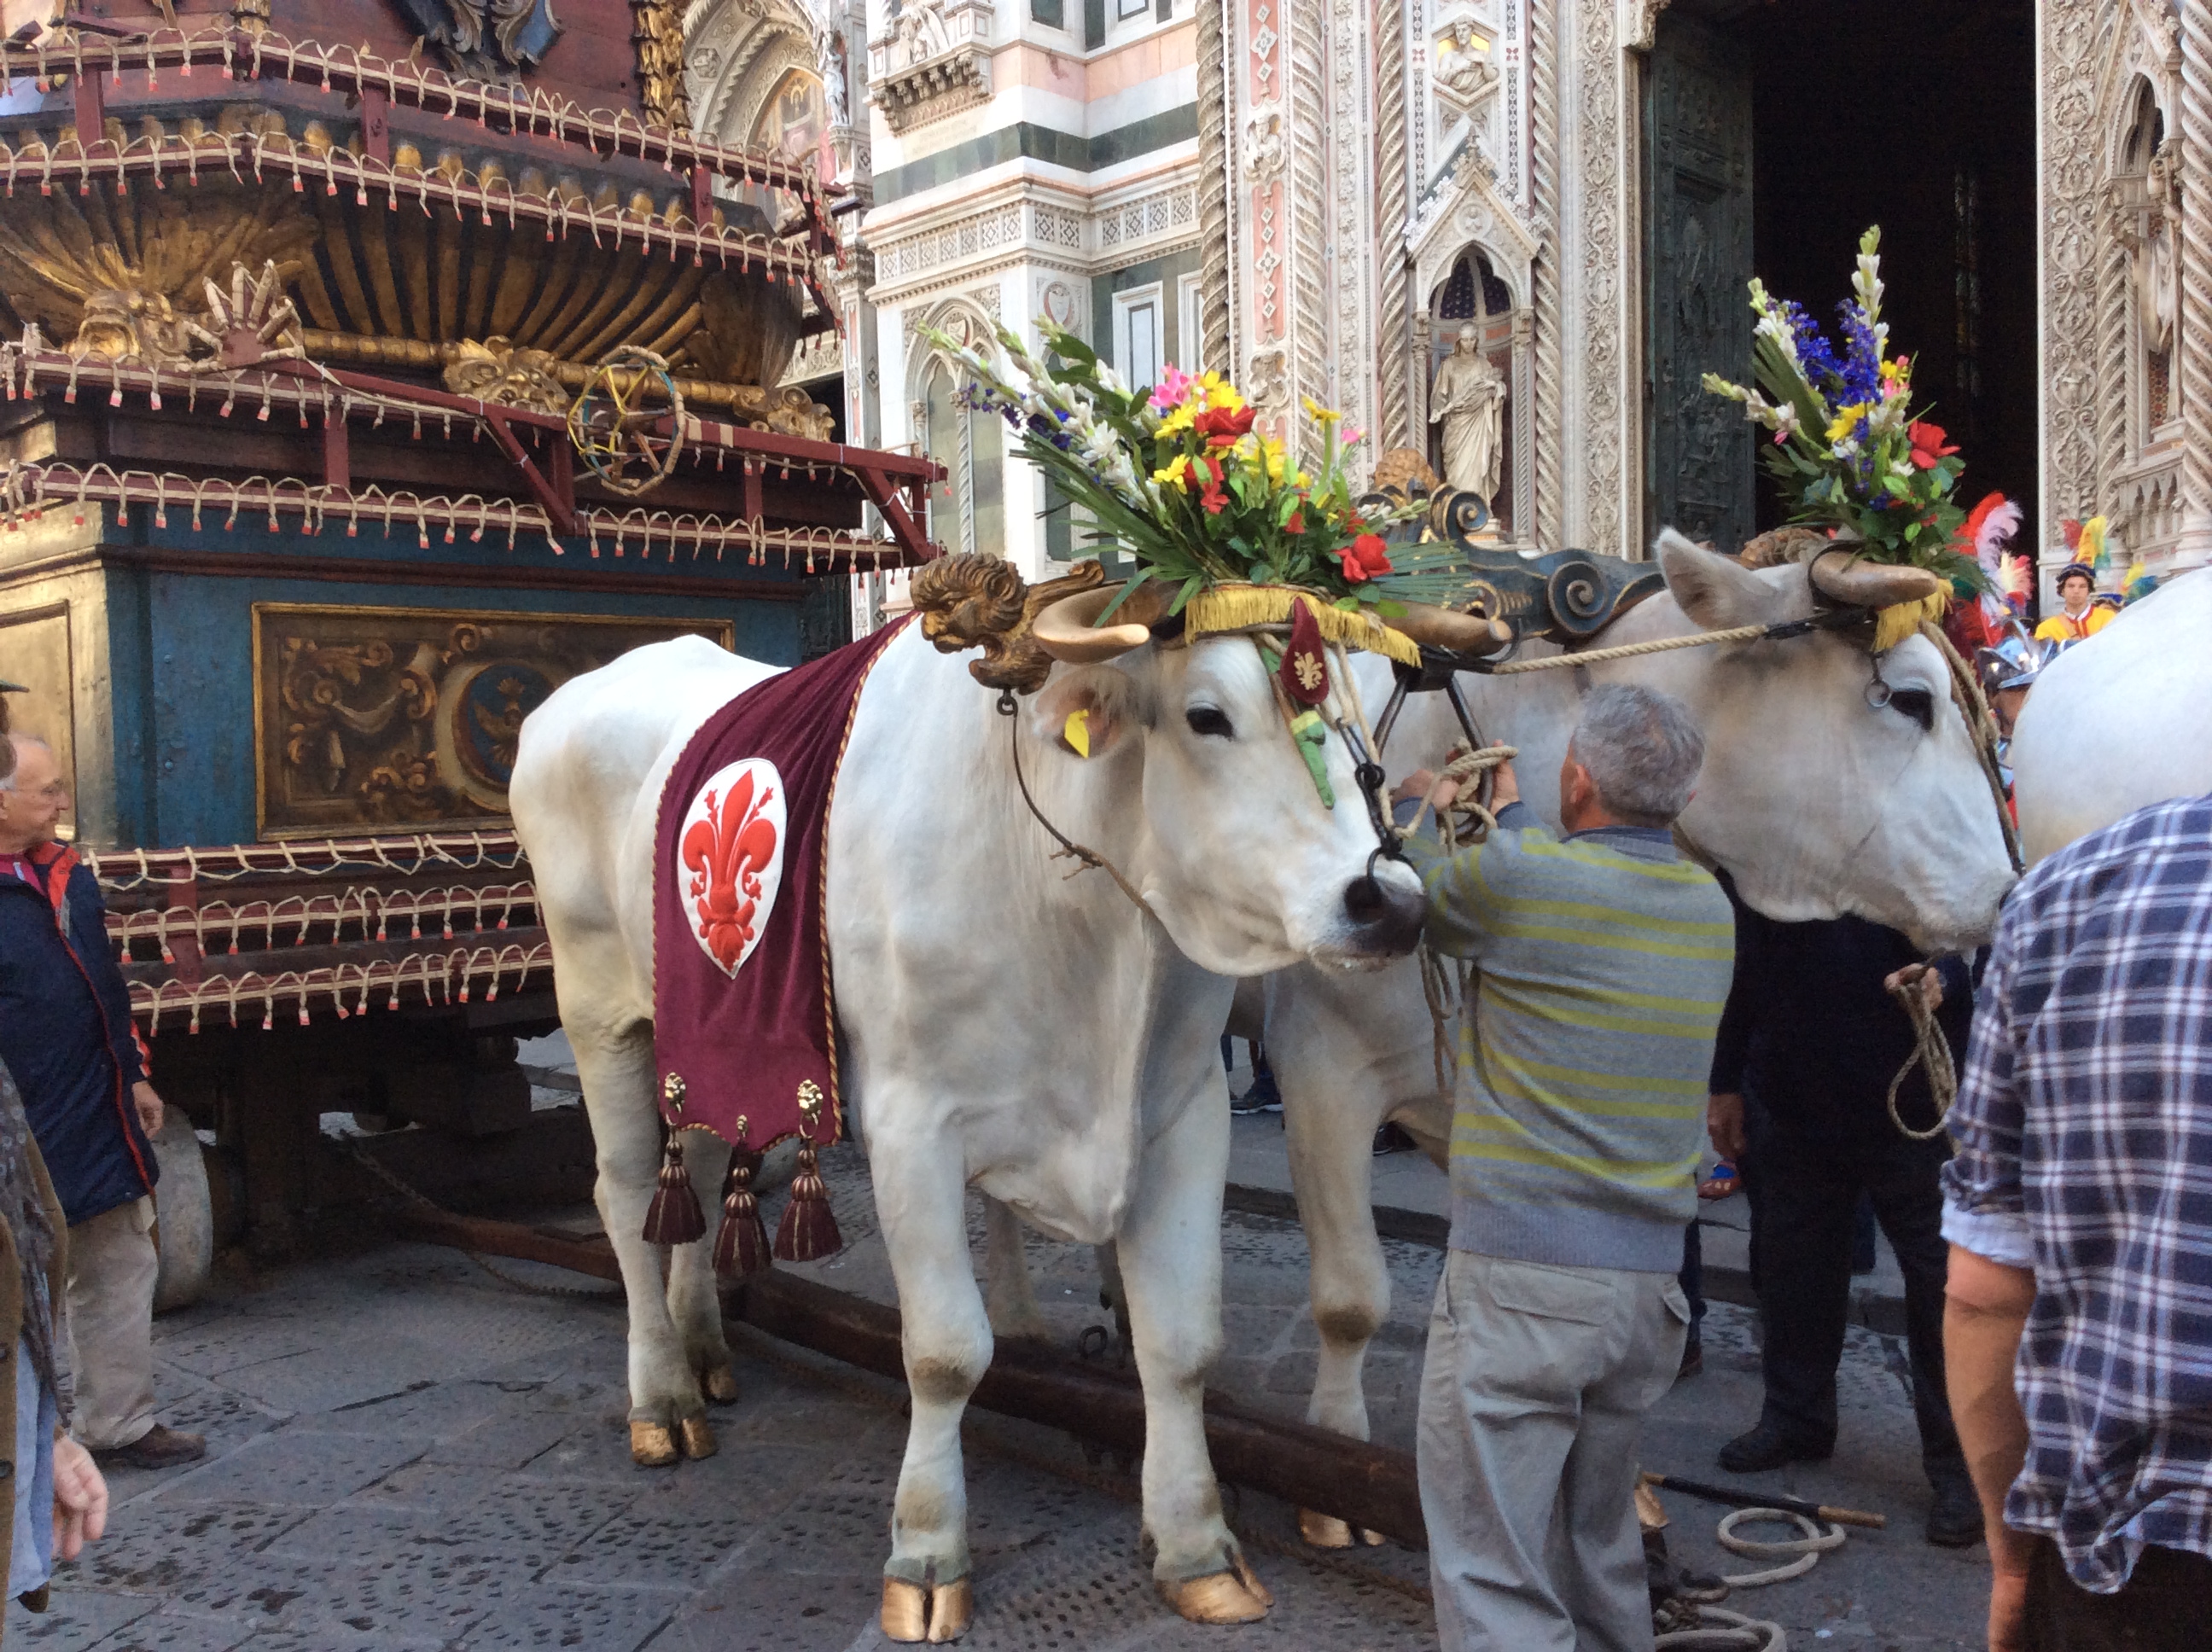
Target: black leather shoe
<point>1771,1446</point>
<point>1954,1518</point>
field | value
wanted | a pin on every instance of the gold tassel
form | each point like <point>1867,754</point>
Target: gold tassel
<point>1236,607</point>
<point>1894,623</point>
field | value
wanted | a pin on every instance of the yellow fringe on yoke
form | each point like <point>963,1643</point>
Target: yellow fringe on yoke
<point>1901,620</point>
<point>1237,607</point>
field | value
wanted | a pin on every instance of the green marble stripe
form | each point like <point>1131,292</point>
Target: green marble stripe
<point>1027,141</point>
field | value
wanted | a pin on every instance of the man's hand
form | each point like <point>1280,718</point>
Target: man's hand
<point>80,1499</point>
<point>1504,787</point>
<point>1414,785</point>
<point>1724,1124</point>
<point>149,1106</point>
<point>1929,981</point>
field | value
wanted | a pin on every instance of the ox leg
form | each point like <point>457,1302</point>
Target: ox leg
<point>694,1306</point>
<point>1011,1294</point>
<point>1169,1252</point>
<point>1331,1119</point>
<point>616,1070</point>
<point>921,1199</point>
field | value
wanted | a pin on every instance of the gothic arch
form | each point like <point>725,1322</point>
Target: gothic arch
<point>969,513</point>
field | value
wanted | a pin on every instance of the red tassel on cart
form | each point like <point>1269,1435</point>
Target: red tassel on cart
<point>741,1246</point>
<point>673,1218</point>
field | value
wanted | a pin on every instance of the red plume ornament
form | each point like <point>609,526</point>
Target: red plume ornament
<point>1304,669</point>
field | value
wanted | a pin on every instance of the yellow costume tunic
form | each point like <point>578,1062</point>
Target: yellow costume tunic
<point>2064,627</point>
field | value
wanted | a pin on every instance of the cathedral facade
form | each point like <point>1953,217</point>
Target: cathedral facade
<point>1328,199</point>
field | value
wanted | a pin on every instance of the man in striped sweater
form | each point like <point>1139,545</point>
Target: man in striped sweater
<point>1605,959</point>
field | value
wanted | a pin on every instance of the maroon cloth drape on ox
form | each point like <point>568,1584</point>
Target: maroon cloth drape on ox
<point>743,1018</point>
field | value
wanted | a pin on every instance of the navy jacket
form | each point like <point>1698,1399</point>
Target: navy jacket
<point>65,1034</point>
<point>1811,1031</point>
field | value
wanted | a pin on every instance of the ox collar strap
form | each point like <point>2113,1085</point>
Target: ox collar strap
<point>1009,708</point>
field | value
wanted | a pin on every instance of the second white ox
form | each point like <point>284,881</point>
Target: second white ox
<point>2119,722</point>
<point>1011,1028</point>
<point>1817,800</point>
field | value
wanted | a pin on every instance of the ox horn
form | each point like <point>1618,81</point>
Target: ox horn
<point>1452,631</point>
<point>1858,583</point>
<point>1068,629</point>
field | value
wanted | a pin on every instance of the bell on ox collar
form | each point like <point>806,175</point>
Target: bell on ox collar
<point>1304,669</point>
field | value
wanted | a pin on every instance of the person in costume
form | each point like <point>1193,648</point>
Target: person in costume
<point>2082,616</point>
<point>1999,611</point>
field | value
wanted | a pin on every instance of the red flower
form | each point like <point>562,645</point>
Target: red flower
<point>1365,558</point>
<point>1223,429</point>
<point>1927,444</point>
<point>1297,524</point>
<point>1213,499</point>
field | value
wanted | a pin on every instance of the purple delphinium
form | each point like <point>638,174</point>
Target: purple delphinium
<point>1813,351</point>
<point>1861,375</point>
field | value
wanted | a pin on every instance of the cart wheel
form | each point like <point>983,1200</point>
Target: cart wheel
<point>185,1232</point>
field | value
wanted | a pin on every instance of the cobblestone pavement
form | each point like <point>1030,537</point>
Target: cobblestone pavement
<point>405,1453</point>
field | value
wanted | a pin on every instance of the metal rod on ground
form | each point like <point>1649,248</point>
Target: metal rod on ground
<point>1368,1486</point>
<point>1738,1499</point>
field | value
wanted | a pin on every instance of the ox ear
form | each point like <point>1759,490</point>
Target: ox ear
<point>1085,710</point>
<point>1716,592</point>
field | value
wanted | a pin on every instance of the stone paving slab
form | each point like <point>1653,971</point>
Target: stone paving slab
<point>407,1454</point>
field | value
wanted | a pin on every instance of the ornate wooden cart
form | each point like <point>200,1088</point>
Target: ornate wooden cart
<point>377,365</point>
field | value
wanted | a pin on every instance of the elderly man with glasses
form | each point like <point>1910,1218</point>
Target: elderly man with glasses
<point>65,1034</point>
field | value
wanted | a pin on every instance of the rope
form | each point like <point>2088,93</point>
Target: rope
<point>1801,1553</point>
<point>557,1292</point>
<point>1929,1049</point>
<point>1720,1630</point>
<point>1967,694</point>
<point>1089,858</point>
<point>1630,650</point>
<point>1446,985</point>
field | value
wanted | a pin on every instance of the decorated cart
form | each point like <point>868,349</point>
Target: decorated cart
<point>374,367</point>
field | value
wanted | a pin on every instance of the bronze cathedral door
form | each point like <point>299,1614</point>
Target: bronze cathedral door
<point>1697,199</point>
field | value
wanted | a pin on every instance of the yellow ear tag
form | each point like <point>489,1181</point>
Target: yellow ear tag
<point>1077,733</point>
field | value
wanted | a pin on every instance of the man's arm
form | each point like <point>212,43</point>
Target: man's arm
<point>1984,1311</point>
<point>1459,885</point>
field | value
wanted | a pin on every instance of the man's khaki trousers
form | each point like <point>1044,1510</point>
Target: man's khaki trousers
<point>111,1267</point>
<point>1532,1405</point>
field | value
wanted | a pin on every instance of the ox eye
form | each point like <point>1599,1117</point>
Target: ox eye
<point>1210,719</point>
<point>1918,704</point>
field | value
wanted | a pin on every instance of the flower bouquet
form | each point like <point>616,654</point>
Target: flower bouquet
<point>1176,477</point>
<point>1848,450</point>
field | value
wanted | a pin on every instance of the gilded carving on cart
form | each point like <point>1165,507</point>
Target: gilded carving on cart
<point>401,717</point>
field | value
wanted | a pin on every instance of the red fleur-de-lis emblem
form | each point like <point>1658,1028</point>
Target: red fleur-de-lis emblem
<point>730,852</point>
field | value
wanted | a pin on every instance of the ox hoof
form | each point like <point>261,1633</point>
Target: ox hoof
<point>936,1613</point>
<point>651,1445</point>
<point>698,1437</point>
<point>722,1385</point>
<point>1236,1596</point>
<point>1327,1532</point>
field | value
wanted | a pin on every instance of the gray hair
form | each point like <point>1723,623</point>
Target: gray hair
<point>15,745</point>
<point>1643,750</point>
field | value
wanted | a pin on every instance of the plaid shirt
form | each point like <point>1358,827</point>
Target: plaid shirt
<point>2084,1131</point>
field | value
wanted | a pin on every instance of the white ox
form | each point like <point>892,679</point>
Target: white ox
<point>2119,722</point>
<point>1011,1028</point>
<point>1816,801</point>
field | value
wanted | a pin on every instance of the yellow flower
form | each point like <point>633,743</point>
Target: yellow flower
<point>1266,455</point>
<point>1181,416</point>
<point>1318,414</point>
<point>1846,419</point>
<point>1174,473</point>
<point>1217,392</point>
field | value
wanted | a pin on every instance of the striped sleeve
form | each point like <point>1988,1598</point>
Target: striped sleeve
<point>1465,905</point>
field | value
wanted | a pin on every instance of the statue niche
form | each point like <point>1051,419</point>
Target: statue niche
<point>1470,385</point>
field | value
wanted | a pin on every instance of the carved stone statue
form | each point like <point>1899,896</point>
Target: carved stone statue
<point>1469,399</point>
<point>2155,262</point>
<point>834,93</point>
<point>917,34</point>
<point>1464,71</point>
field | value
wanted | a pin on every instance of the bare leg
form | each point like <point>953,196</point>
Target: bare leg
<point>1012,1293</point>
<point>921,1195</point>
<point>1170,1258</point>
<point>615,1066</point>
